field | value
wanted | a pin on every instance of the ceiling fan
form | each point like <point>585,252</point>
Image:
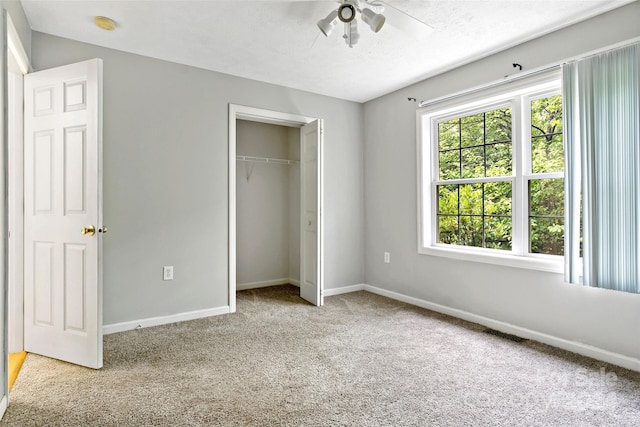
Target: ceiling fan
<point>371,13</point>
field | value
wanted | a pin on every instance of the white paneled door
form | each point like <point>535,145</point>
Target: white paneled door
<point>63,213</point>
<point>311,199</point>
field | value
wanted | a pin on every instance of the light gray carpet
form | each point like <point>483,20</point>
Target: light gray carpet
<point>361,360</point>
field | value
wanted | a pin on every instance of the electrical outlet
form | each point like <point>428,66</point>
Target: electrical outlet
<point>167,272</point>
<point>387,257</point>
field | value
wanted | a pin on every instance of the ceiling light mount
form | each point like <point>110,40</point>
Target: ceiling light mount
<point>347,13</point>
<point>105,23</point>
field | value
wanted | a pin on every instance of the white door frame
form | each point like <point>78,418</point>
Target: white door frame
<point>262,116</point>
<point>4,212</point>
<point>13,48</point>
<point>15,161</point>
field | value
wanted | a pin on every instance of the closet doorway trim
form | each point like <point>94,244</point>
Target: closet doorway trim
<point>242,112</point>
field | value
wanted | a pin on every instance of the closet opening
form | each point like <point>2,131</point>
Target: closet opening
<point>275,202</point>
<point>267,205</point>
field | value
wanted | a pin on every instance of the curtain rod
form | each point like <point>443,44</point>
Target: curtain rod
<point>508,79</point>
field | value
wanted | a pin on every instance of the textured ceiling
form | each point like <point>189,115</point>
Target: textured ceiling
<point>278,41</point>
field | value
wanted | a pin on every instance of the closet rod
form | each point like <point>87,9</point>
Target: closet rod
<point>265,160</point>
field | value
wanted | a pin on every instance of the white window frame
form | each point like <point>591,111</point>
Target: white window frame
<point>518,95</point>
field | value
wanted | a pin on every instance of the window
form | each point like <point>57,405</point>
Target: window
<point>546,182</point>
<point>474,189</point>
<point>492,186</point>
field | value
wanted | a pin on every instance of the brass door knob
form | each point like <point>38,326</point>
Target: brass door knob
<point>90,230</point>
<point>103,229</point>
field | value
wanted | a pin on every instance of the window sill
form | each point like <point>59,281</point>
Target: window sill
<point>547,263</point>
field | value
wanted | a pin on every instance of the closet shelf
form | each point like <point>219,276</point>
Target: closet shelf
<point>265,160</point>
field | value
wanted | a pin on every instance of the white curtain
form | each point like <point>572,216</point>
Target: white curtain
<point>601,98</point>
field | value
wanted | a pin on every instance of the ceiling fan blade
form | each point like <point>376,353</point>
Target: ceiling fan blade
<point>403,21</point>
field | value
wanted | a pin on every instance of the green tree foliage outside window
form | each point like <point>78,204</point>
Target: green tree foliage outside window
<point>476,146</point>
<point>479,146</point>
<point>475,214</point>
<point>546,195</point>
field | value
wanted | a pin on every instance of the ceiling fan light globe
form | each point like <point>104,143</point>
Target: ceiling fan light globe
<point>325,27</point>
<point>375,21</point>
<point>327,24</point>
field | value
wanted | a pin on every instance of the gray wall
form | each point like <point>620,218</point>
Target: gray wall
<point>266,211</point>
<point>165,178</point>
<point>539,301</point>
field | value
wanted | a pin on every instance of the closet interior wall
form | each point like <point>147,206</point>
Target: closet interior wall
<point>267,206</point>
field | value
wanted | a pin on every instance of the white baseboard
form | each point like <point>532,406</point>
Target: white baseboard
<point>573,346</point>
<point>163,320</point>
<point>342,290</point>
<point>266,283</point>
